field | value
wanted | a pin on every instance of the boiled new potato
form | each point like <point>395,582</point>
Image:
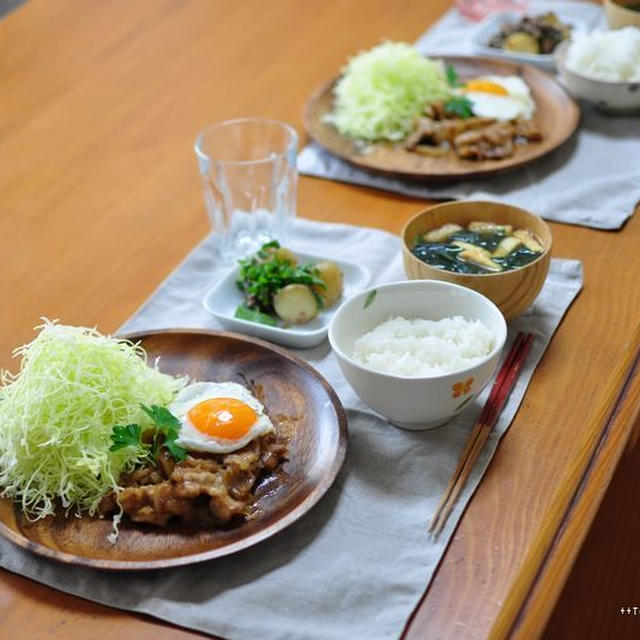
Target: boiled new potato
<point>332,277</point>
<point>285,255</point>
<point>295,304</point>
<point>521,41</point>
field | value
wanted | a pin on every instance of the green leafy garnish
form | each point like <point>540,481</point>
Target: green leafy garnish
<point>370,298</point>
<point>264,252</point>
<point>263,275</point>
<point>165,424</point>
<point>125,436</point>
<point>452,76</point>
<point>253,315</point>
<point>175,450</point>
<point>459,106</point>
<point>168,425</point>
<point>162,418</point>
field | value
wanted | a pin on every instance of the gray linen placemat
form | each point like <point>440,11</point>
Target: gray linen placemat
<point>357,564</point>
<point>593,180</point>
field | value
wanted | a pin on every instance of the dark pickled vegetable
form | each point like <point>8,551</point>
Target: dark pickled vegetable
<point>539,34</point>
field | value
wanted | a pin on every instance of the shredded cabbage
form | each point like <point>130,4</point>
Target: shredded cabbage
<point>383,89</point>
<point>57,415</point>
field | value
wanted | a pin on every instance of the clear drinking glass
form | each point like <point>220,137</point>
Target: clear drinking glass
<point>248,169</point>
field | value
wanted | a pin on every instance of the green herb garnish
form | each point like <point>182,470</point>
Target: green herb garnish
<point>264,274</point>
<point>253,315</point>
<point>264,252</point>
<point>165,423</point>
<point>370,298</point>
<point>125,436</point>
<point>168,425</point>
<point>452,76</point>
<point>459,106</point>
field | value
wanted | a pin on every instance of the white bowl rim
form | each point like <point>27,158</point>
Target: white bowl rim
<point>559,55</point>
<point>438,284</point>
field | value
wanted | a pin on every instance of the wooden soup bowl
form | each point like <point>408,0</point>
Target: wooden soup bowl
<point>512,291</point>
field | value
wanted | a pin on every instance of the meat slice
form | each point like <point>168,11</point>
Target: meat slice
<point>203,489</point>
<point>153,504</point>
<point>438,132</point>
<point>436,110</point>
<point>494,141</point>
<point>527,130</point>
<point>142,476</point>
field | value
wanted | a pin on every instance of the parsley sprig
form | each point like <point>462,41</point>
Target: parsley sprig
<point>457,105</point>
<point>125,436</point>
<point>452,76</point>
<point>164,424</point>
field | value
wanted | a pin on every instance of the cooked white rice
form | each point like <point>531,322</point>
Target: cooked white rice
<point>613,56</point>
<point>420,347</point>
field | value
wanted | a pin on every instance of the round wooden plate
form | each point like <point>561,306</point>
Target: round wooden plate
<point>302,405</point>
<point>557,115</point>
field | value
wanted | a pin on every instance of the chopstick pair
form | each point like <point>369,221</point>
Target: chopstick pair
<point>500,392</point>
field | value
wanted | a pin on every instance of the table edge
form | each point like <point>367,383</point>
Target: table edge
<point>555,548</point>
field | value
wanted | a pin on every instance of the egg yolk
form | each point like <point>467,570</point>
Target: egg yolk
<point>485,86</point>
<point>226,418</point>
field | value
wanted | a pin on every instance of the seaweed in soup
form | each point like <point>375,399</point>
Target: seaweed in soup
<point>481,248</point>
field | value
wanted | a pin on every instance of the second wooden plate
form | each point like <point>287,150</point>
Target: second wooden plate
<point>301,404</point>
<point>556,113</point>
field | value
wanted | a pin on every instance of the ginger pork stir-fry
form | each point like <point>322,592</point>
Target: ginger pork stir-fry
<point>473,138</point>
<point>203,489</point>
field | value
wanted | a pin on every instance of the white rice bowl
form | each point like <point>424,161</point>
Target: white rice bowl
<point>611,56</point>
<point>418,347</point>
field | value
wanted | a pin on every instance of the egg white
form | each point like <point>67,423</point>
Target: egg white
<point>192,439</point>
<point>518,104</point>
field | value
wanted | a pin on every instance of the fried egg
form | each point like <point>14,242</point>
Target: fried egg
<point>499,97</point>
<point>218,417</point>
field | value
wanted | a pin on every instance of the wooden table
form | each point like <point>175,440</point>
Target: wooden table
<point>100,200</point>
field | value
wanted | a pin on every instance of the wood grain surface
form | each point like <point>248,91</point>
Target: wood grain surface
<point>306,414</point>
<point>556,115</point>
<point>512,291</point>
<point>552,552</point>
<point>101,200</point>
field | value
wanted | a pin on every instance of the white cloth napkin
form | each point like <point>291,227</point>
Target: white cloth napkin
<point>593,180</point>
<point>357,564</point>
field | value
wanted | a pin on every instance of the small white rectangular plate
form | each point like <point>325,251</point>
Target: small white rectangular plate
<point>225,297</point>
<point>579,18</point>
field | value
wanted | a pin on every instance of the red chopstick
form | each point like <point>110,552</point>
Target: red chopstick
<point>498,396</point>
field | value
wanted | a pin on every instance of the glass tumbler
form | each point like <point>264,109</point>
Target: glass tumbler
<point>248,169</point>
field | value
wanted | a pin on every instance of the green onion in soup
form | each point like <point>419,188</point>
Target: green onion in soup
<point>483,247</point>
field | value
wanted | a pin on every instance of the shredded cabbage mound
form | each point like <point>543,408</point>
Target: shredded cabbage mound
<point>57,415</point>
<point>383,89</point>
